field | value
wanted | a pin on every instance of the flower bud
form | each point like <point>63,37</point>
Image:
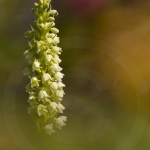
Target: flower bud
<point>42,25</point>
<point>36,4</point>
<point>53,12</point>
<point>50,35</point>
<point>53,24</point>
<point>41,1</point>
<point>56,40</point>
<point>51,19</point>
<point>47,25</point>
<point>40,18</point>
<point>28,34</point>
<point>55,30</point>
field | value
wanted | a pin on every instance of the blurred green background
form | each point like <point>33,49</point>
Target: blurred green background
<point>105,59</point>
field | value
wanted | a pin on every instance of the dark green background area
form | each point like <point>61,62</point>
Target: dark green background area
<point>105,59</point>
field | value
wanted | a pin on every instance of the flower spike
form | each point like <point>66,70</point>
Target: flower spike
<point>45,88</point>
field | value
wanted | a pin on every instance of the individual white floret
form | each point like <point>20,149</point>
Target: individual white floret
<point>57,59</point>
<point>56,49</point>
<point>41,109</point>
<point>53,106</point>
<point>60,121</point>
<point>60,84</point>
<point>48,57</point>
<point>55,67</point>
<point>59,76</point>
<point>36,65</point>
<point>42,94</point>
<point>54,85</point>
<point>34,82</point>
<point>60,93</point>
<point>56,40</point>
<point>60,108</point>
<point>45,77</point>
<point>49,129</point>
<point>32,100</point>
<point>50,41</point>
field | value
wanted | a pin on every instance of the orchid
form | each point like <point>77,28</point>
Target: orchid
<point>45,88</point>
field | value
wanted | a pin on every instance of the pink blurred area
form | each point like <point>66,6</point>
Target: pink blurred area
<point>86,7</point>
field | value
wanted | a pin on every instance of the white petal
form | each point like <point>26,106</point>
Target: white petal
<point>42,94</point>
<point>49,129</point>
<point>54,85</point>
<point>48,58</point>
<point>46,77</point>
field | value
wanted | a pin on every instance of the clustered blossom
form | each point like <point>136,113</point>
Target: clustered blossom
<point>45,88</point>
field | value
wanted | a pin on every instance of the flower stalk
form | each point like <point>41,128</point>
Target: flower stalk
<point>45,88</point>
